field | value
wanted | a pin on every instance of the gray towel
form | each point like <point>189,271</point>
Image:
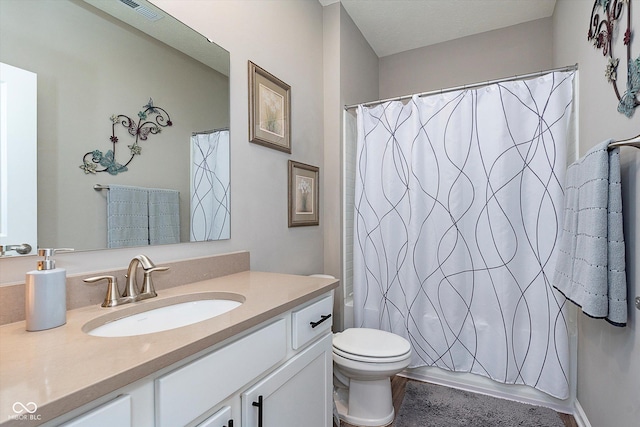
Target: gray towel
<point>127,216</point>
<point>590,270</point>
<point>164,216</point>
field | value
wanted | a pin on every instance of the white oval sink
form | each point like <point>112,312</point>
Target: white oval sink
<point>175,313</point>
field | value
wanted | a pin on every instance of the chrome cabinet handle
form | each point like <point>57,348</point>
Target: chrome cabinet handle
<point>638,303</point>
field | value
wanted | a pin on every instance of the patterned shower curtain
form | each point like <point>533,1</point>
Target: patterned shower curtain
<point>210,205</point>
<point>458,205</point>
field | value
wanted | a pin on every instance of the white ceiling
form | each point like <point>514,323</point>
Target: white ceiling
<point>393,26</point>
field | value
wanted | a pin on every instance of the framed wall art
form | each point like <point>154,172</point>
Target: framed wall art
<point>304,189</point>
<point>269,110</point>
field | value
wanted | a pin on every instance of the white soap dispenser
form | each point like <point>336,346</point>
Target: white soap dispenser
<point>46,294</point>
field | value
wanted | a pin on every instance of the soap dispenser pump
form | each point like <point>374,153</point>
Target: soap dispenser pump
<point>46,293</point>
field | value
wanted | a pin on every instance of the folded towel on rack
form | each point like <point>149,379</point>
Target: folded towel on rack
<point>590,270</point>
<point>127,216</point>
<point>164,216</point>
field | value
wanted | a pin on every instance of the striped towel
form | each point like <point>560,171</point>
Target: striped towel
<point>164,216</point>
<point>127,216</point>
<point>590,270</point>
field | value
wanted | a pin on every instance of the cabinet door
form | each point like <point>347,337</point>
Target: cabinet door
<point>296,394</point>
<point>222,418</point>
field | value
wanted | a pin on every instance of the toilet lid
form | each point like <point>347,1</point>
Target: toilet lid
<point>371,343</point>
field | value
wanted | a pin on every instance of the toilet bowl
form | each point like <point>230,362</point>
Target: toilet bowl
<point>364,360</point>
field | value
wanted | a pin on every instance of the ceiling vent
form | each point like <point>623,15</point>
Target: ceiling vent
<point>144,11</point>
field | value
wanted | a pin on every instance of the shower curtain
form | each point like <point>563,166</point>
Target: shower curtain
<point>458,198</point>
<point>210,205</point>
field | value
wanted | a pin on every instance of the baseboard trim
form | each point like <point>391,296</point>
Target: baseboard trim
<point>579,415</point>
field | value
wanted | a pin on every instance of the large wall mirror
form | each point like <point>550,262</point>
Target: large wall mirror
<point>94,59</point>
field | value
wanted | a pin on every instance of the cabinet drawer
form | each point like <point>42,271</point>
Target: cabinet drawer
<point>311,321</point>
<point>188,392</point>
<point>114,413</point>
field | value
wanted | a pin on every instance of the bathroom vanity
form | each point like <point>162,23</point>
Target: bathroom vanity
<point>266,363</point>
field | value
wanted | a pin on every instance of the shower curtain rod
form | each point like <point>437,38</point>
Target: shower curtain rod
<point>469,86</point>
<point>207,132</point>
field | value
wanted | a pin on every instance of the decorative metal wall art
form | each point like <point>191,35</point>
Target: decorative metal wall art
<point>151,120</point>
<point>602,28</point>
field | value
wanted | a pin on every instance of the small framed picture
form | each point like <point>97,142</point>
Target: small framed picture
<point>304,189</point>
<point>269,110</point>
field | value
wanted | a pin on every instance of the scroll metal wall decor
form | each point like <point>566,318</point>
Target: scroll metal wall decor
<point>602,28</point>
<point>151,120</point>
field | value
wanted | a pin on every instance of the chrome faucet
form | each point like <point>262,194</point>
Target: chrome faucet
<point>132,290</point>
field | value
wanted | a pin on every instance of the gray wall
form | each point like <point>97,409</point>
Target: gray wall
<point>359,65</point>
<point>285,38</point>
<point>608,357</point>
<point>332,159</point>
<point>510,51</point>
<point>350,75</point>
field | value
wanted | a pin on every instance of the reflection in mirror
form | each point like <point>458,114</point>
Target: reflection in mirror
<point>95,59</point>
<point>18,124</point>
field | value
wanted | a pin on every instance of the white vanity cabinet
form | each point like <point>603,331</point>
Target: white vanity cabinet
<point>285,363</point>
<point>297,394</point>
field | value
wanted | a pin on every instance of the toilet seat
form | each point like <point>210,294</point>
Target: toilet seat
<point>369,359</point>
<point>371,345</point>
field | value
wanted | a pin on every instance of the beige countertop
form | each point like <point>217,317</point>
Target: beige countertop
<point>64,368</point>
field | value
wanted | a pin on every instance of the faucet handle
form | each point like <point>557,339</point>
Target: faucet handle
<point>161,268</point>
<point>148,290</point>
<point>113,293</point>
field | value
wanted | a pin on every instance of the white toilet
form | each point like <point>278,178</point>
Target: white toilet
<point>364,360</point>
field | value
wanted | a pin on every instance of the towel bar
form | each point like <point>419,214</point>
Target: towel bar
<point>631,142</point>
